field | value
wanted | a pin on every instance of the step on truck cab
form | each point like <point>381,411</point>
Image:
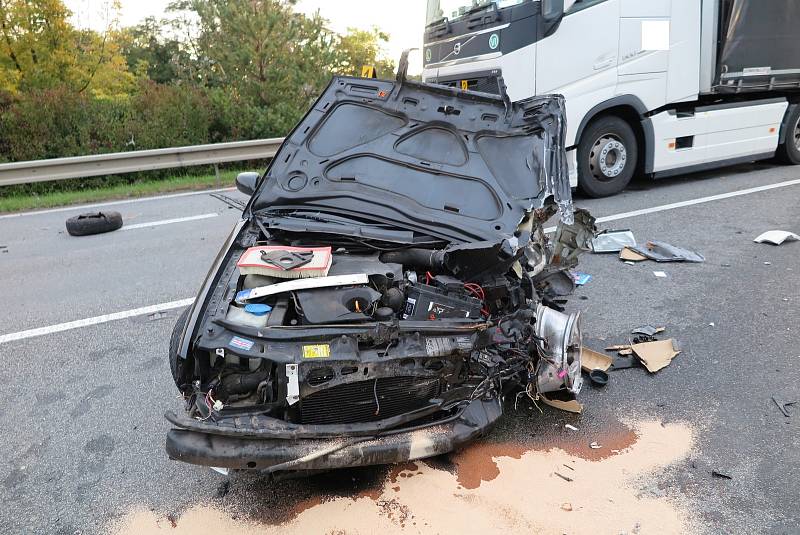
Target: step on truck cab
<point>659,88</point>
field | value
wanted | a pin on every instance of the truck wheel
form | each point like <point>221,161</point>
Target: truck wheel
<point>607,154</point>
<point>789,151</point>
<point>177,365</point>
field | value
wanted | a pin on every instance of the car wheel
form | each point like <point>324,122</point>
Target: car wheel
<point>177,365</point>
<point>94,223</point>
<point>607,155</point>
<point>789,151</point>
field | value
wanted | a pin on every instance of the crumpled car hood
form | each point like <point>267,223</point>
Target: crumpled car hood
<point>463,166</point>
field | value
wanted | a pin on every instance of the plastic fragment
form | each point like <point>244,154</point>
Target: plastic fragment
<point>776,237</point>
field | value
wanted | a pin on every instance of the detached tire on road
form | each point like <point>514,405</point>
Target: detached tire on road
<point>94,223</point>
<point>178,365</point>
<point>607,156</point>
<point>789,151</point>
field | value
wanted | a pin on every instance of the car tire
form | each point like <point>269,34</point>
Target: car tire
<point>177,365</point>
<point>789,150</point>
<point>607,156</point>
<point>94,223</point>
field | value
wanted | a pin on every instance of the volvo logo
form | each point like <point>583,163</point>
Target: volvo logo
<point>457,49</point>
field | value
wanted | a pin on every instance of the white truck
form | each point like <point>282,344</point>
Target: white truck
<point>654,87</point>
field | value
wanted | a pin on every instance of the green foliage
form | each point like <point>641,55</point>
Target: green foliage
<point>218,70</point>
<point>39,50</point>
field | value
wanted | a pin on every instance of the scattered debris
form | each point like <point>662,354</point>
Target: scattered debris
<point>592,360</point>
<point>767,263</point>
<point>720,475</point>
<point>230,201</point>
<point>598,377</point>
<point>572,405</point>
<point>613,241</point>
<point>595,446</point>
<point>656,355</point>
<point>783,406</point>
<point>776,237</point>
<point>621,363</point>
<point>712,324</point>
<point>568,466</point>
<point>573,428</point>
<point>664,252</point>
<point>625,352</point>
<point>660,274</point>
<point>630,263</point>
<point>618,347</point>
<point>566,506</point>
<point>648,330</point>
<point>565,478</point>
<point>581,278</point>
<point>629,255</point>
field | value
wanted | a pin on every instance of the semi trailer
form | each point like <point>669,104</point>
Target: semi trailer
<point>655,87</point>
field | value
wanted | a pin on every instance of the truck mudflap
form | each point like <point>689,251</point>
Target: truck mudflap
<point>274,455</point>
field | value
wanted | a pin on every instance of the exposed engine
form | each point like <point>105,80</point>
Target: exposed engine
<point>388,331</point>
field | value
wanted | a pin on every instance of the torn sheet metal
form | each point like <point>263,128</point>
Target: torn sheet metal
<point>656,355</point>
<point>776,237</point>
<point>613,241</point>
<point>648,330</point>
<point>664,252</point>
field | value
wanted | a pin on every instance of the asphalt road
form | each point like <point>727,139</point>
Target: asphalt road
<point>81,420</point>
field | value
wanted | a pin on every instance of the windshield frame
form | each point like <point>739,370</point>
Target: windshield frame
<point>458,9</point>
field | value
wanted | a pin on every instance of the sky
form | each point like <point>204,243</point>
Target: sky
<point>404,21</point>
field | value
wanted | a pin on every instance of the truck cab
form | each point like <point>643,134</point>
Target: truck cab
<point>641,80</point>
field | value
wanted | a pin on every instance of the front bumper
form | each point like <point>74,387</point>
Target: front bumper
<point>275,454</point>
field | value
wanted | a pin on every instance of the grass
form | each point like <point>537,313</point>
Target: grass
<point>144,188</point>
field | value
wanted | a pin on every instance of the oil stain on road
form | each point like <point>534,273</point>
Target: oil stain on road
<point>551,485</point>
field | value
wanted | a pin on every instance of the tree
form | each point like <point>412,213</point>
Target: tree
<point>271,55</point>
<point>153,55</point>
<point>39,49</point>
<point>357,48</point>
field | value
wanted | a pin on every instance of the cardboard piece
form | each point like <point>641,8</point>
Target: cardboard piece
<point>655,355</point>
<point>592,360</point>
<point>570,406</point>
<point>631,256</point>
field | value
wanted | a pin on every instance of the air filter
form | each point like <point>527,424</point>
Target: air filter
<point>285,262</point>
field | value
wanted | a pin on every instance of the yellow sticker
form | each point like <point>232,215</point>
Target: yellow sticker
<point>464,84</point>
<point>317,351</point>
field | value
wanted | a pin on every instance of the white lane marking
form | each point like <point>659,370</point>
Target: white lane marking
<point>169,221</point>
<point>41,331</point>
<point>186,302</point>
<point>691,202</point>
<point>79,207</point>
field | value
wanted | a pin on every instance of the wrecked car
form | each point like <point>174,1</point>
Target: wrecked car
<point>389,285</point>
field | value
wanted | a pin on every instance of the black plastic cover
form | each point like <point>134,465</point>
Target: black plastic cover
<point>455,164</point>
<point>759,47</point>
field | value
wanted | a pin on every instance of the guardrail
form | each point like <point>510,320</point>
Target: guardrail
<point>142,160</point>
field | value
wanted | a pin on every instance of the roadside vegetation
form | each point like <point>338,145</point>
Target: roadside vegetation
<point>210,71</point>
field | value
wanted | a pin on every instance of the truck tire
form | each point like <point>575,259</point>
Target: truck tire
<point>789,151</point>
<point>607,155</point>
<point>94,223</point>
<point>177,365</point>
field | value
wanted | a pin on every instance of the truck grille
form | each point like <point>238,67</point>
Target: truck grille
<point>355,402</point>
